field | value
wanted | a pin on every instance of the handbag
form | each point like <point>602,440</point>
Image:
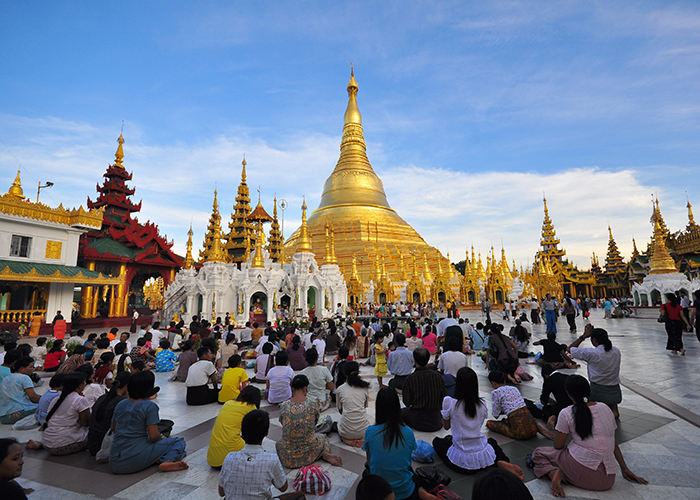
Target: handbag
<point>430,477</point>
<point>324,425</point>
<point>424,453</point>
<point>663,316</point>
<point>444,494</point>
<point>312,479</point>
<point>103,454</point>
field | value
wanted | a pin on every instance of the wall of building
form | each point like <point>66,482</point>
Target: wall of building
<point>46,237</point>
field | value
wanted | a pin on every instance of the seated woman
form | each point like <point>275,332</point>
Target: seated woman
<point>554,353</point>
<point>226,434</point>
<point>589,459</point>
<point>296,354</point>
<point>104,370</point>
<point>17,396</point>
<point>55,356</point>
<point>198,378</point>
<point>320,380</point>
<point>91,346</point>
<point>138,443</point>
<point>279,379</point>
<point>66,424</point>
<point>352,398</point>
<point>389,445</point>
<point>502,353</point>
<point>102,411</point>
<point>467,450</point>
<point>506,400</point>
<point>187,358</point>
<point>74,360</point>
<point>521,338</point>
<point>300,445</point>
<point>92,390</point>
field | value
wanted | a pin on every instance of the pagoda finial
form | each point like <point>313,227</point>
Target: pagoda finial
<point>119,155</point>
<point>661,260</point>
<point>243,174</point>
<point>635,252</point>
<point>352,113</point>
<point>16,189</point>
<point>304,243</point>
<point>188,261</point>
<point>258,260</point>
<point>691,219</point>
<point>426,272</point>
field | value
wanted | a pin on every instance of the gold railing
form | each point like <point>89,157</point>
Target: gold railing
<point>24,316</point>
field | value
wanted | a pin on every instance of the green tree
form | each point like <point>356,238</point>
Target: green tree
<point>460,266</point>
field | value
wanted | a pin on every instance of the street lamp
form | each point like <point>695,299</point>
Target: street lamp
<point>40,187</point>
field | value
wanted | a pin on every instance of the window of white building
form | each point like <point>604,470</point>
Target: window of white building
<point>20,246</point>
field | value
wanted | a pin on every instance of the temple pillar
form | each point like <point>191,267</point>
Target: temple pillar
<point>95,301</point>
<point>120,303</point>
<point>112,302</point>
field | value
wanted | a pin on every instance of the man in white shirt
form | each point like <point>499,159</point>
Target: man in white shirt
<point>307,340</point>
<point>320,346</point>
<point>157,335</point>
<point>246,335</point>
<point>198,378</point>
<point>124,337</point>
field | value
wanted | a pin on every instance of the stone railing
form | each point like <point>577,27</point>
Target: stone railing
<point>23,316</point>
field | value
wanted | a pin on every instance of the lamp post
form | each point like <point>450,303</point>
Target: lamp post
<point>40,187</point>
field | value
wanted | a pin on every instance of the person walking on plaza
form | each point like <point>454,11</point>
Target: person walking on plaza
<point>607,307</point>
<point>570,313</point>
<point>550,313</point>
<point>674,319</point>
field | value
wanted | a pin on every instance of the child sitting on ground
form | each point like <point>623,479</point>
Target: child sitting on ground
<point>39,353</point>
<point>234,380</point>
<point>165,358</point>
<point>55,385</point>
<point>104,370</point>
<point>263,363</point>
<point>249,473</point>
<point>123,358</point>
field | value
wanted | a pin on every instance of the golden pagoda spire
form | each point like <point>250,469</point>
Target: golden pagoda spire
<point>355,275</point>
<point>691,219</point>
<point>214,223</point>
<point>188,261</point>
<point>216,253</point>
<point>415,266</point>
<point>327,259</point>
<point>426,271</point>
<point>378,271</point>
<point>384,273</point>
<point>304,243</point>
<point>402,268</point>
<point>333,258</point>
<point>119,155</point>
<point>656,216</point>
<point>635,252</point>
<point>439,259</point>
<point>450,269</point>
<point>258,260</point>
<point>661,260</point>
<point>16,189</point>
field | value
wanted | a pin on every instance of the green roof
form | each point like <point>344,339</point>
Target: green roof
<point>108,245</point>
<point>15,270</point>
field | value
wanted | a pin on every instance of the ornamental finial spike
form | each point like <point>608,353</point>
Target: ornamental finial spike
<point>16,188</point>
<point>119,155</point>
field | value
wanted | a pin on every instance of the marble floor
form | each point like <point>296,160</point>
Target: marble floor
<point>659,433</point>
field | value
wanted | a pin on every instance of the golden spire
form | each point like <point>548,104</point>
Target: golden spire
<point>415,266</point>
<point>450,268</point>
<point>355,276</point>
<point>189,261</point>
<point>635,252</point>
<point>439,259</point>
<point>362,187</point>
<point>661,260</point>
<point>16,189</point>
<point>327,259</point>
<point>426,271</point>
<point>333,258</point>
<point>119,155</point>
<point>243,174</point>
<point>691,219</point>
<point>213,226</point>
<point>258,260</point>
<point>216,254</point>
<point>304,243</point>
<point>402,268</point>
<point>384,273</point>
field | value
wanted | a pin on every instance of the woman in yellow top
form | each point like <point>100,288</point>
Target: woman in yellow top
<point>380,368</point>
<point>235,378</point>
<point>226,434</point>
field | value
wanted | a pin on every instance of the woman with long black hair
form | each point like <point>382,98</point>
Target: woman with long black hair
<point>352,398</point>
<point>66,424</point>
<point>589,459</point>
<point>467,451</point>
<point>389,445</point>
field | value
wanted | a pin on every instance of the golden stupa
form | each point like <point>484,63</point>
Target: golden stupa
<point>363,224</point>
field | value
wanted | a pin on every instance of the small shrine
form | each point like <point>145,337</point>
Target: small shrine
<point>122,247</point>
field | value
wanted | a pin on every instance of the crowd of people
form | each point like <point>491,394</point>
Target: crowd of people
<point>102,390</point>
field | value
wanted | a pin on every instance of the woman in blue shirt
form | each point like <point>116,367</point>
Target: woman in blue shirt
<point>389,445</point>
<point>138,443</point>
<point>17,396</point>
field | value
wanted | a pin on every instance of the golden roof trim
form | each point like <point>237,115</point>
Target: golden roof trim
<point>10,205</point>
<point>34,277</point>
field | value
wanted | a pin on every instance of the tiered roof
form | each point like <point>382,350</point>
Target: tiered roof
<point>240,241</point>
<point>613,261</point>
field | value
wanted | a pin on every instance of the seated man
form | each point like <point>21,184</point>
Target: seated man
<point>198,377</point>
<point>251,472</point>
<point>554,383</point>
<point>400,363</point>
<point>423,392</point>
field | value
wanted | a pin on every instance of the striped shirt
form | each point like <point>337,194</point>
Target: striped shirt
<point>424,389</point>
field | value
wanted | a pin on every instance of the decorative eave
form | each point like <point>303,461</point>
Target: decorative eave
<point>53,273</point>
<point>11,205</point>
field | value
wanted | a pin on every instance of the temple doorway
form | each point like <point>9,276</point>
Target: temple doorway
<point>416,298</point>
<point>311,302</point>
<point>499,297</point>
<point>285,301</point>
<point>441,297</point>
<point>258,307</point>
<point>655,298</point>
<point>382,298</point>
<point>471,297</point>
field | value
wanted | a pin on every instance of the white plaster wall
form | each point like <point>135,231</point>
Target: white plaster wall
<point>60,299</point>
<point>40,232</point>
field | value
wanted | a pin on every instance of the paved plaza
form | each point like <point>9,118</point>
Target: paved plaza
<point>658,432</point>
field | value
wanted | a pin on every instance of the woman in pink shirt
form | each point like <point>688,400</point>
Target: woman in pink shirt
<point>430,339</point>
<point>589,460</point>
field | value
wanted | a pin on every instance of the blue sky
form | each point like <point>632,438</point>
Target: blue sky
<point>471,110</point>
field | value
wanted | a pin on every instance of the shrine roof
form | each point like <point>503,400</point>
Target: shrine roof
<point>109,246</point>
<point>13,270</point>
